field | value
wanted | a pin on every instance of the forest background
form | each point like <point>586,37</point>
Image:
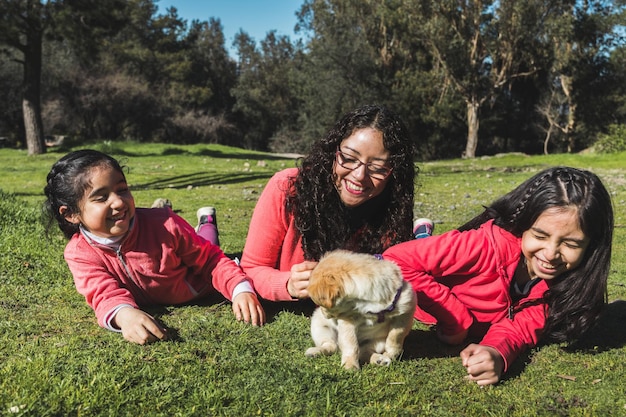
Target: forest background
<point>468,77</point>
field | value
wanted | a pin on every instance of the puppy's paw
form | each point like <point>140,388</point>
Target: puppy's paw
<point>379,359</point>
<point>351,364</point>
<point>313,352</point>
<point>393,352</point>
<point>323,348</point>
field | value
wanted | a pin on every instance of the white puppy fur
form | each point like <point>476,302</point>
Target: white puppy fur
<point>365,308</point>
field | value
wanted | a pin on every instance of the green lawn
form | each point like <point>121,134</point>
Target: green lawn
<point>56,361</point>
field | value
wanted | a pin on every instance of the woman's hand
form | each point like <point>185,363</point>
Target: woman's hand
<point>298,283</point>
<point>138,326</point>
<point>483,363</point>
<point>246,307</point>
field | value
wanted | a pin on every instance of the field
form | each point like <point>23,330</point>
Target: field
<point>56,361</point>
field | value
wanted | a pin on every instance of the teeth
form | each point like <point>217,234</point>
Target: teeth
<point>546,265</point>
<point>353,186</point>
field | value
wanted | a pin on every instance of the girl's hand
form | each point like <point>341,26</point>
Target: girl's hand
<point>299,280</point>
<point>138,326</point>
<point>246,307</point>
<point>483,363</point>
<point>451,339</point>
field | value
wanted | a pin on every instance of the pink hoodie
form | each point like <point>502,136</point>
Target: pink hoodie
<point>161,261</point>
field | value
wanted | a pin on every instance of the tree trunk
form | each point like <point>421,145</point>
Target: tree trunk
<point>567,83</point>
<point>547,140</point>
<point>473,123</point>
<point>31,98</point>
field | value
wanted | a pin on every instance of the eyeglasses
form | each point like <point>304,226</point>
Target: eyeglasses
<point>376,171</point>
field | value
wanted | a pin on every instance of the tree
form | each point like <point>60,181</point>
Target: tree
<point>266,101</point>
<point>201,86</point>
<point>481,46</point>
<point>11,126</point>
<point>211,67</point>
<point>582,38</point>
<point>23,26</point>
<point>182,70</point>
<point>349,61</point>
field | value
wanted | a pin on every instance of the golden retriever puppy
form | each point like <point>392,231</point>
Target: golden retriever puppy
<point>365,308</point>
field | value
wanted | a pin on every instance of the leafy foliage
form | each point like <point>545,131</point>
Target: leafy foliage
<point>478,77</point>
<point>612,142</point>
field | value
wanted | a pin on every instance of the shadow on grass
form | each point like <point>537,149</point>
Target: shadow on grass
<point>200,179</point>
<point>424,344</point>
<point>244,156</point>
<point>608,333</point>
<point>418,344</point>
<point>117,152</point>
<point>301,307</point>
<point>272,310</point>
<point>212,300</point>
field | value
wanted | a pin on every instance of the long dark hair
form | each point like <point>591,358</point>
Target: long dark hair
<point>320,216</point>
<point>66,184</point>
<point>577,297</point>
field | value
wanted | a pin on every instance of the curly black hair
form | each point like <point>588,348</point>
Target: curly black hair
<point>324,222</point>
<point>577,297</point>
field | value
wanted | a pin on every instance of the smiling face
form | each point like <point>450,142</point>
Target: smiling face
<point>555,243</point>
<point>107,207</point>
<point>356,186</point>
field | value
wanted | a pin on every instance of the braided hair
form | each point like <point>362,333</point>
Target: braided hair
<point>324,222</point>
<point>66,184</point>
<point>576,298</point>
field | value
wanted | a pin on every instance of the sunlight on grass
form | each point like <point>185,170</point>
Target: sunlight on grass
<point>55,360</point>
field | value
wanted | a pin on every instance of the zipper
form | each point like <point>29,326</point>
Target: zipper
<point>120,257</point>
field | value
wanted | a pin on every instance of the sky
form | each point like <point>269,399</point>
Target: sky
<point>256,17</point>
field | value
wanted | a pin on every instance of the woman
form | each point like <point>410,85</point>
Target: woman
<point>353,191</point>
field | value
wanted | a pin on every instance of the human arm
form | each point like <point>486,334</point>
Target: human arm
<point>204,265</point>
<point>505,340</point>
<point>273,245</point>
<point>247,308</point>
<point>137,326</point>
<point>484,364</point>
<point>298,283</point>
<point>96,277</point>
<point>511,336</point>
<point>102,290</point>
<point>206,259</point>
<point>437,268</point>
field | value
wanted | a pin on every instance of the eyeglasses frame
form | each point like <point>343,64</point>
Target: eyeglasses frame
<point>339,155</point>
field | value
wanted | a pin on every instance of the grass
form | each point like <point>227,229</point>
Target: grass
<point>56,361</point>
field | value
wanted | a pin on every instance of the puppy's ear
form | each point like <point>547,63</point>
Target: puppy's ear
<point>325,289</point>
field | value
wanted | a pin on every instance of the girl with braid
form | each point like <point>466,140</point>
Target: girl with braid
<point>353,191</point>
<point>534,265</point>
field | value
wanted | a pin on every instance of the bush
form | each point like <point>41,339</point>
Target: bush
<point>612,142</point>
<point>193,127</point>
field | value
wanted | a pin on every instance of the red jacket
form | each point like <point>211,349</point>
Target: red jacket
<point>273,243</point>
<point>161,261</point>
<point>463,281</point>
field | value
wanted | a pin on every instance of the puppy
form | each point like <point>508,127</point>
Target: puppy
<point>365,308</point>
